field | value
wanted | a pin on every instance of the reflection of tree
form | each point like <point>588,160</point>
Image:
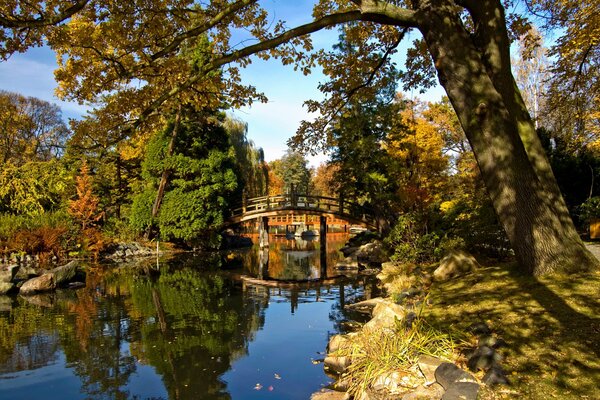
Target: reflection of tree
<point>192,327</point>
<point>27,338</point>
<point>100,361</point>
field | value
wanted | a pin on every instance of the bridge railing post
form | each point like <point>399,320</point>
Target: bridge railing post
<point>341,205</point>
<point>294,200</point>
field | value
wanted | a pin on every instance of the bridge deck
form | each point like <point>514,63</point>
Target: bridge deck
<point>272,206</point>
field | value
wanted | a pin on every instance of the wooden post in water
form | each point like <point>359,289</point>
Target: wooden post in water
<point>263,232</point>
<point>323,245</point>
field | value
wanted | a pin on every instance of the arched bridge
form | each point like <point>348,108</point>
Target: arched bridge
<point>284,204</point>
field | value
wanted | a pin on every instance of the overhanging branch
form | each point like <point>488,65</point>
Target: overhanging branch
<point>27,23</point>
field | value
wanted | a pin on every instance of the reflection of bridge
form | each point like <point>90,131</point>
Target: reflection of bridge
<point>266,207</point>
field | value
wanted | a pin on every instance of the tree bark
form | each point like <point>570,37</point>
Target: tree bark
<point>164,179</point>
<point>513,166</point>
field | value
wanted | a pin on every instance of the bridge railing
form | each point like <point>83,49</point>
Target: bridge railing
<point>293,201</point>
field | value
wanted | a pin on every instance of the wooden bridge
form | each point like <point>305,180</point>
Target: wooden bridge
<point>266,207</point>
<point>285,204</point>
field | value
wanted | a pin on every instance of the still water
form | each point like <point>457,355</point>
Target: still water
<point>228,326</point>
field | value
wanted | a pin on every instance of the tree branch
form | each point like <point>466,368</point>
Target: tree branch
<point>201,28</point>
<point>371,11</point>
<point>17,23</point>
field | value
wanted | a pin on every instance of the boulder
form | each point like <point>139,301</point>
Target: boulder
<point>64,274</point>
<point>456,263</point>
<point>325,394</point>
<point>447,374</point>
<point>386,315</point>
<point>428,365</point>
<point>394,382</point>
<point>365,306</point>
<point>8,274</point>
<point>480,328</point>
<point>6,287</point>
<point>338,342</point>
<point>495,376</point>
<point>347,251</point>
<point>26,272</point>
<point>372,253</point>
<point>42,283</point>
<point>347,264</point>
<point>461,391</point>
<point>483,358</point>
<point>337,364</point>
<point>434,391</point>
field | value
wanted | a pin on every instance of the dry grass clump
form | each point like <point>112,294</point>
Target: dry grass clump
<point>377,352</point>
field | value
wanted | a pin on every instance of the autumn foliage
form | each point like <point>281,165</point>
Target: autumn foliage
<point>84,208</point>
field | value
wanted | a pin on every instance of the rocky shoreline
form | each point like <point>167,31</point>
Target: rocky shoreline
<point>430,378</point>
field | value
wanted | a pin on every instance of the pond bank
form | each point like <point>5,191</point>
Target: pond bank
<point>533,336</point>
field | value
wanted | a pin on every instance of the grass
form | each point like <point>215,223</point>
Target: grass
<point>551,325</point>
<point>377,352</point>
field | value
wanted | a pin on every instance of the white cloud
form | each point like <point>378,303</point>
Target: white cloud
<point>33,75</point>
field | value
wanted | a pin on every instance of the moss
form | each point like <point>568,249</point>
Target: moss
<point>551,325</point>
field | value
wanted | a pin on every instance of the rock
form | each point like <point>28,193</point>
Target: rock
<point>65,273</point>
<point>26,272</point>
<point>372,253</point>
<point>338,342</point>
<point>76,285</point>
<point>409,319</point>
<point>434,391</point>
<point>394,382</point>
<point>495,376</point>
<point>428,365</point>
<point>447,374</point>
<point>408,293</point>
<point>365,306</point>
<point>461,391</point>
<point>483,358</point>
<point>8,275</point>
<point>42,283</point>
<point>337,364</point>
<point>347,251</point>
<point>325,394</point>
<point>342,384</point>
<point>480,328</point>
<point>456,263</point>
<point>491,341</point>
<point>365,395</point>
<point>6,287</point>
<point>386,315</point>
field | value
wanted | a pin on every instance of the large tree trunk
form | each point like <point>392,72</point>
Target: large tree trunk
<point>513,166</point>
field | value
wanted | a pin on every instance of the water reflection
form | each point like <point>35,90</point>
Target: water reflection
<point>295,258</point>
<point>186,331</point>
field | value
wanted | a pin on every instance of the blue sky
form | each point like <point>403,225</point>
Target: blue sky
<point>270,125</point>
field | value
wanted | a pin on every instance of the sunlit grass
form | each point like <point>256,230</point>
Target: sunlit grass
<point>376,352</point>
<point>551,325</point>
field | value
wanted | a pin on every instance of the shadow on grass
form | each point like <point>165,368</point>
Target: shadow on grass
<point>551,326</point>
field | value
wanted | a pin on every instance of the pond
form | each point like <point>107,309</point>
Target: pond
<point>225,326</point>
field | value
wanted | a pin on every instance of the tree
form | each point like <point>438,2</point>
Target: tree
<point>326,179</point>
<point>202,178</point>
<point>30,129</point>
<point>532,72</point>
<point>465,42</point>
<point>295,173</point>
<point>84,207</point>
